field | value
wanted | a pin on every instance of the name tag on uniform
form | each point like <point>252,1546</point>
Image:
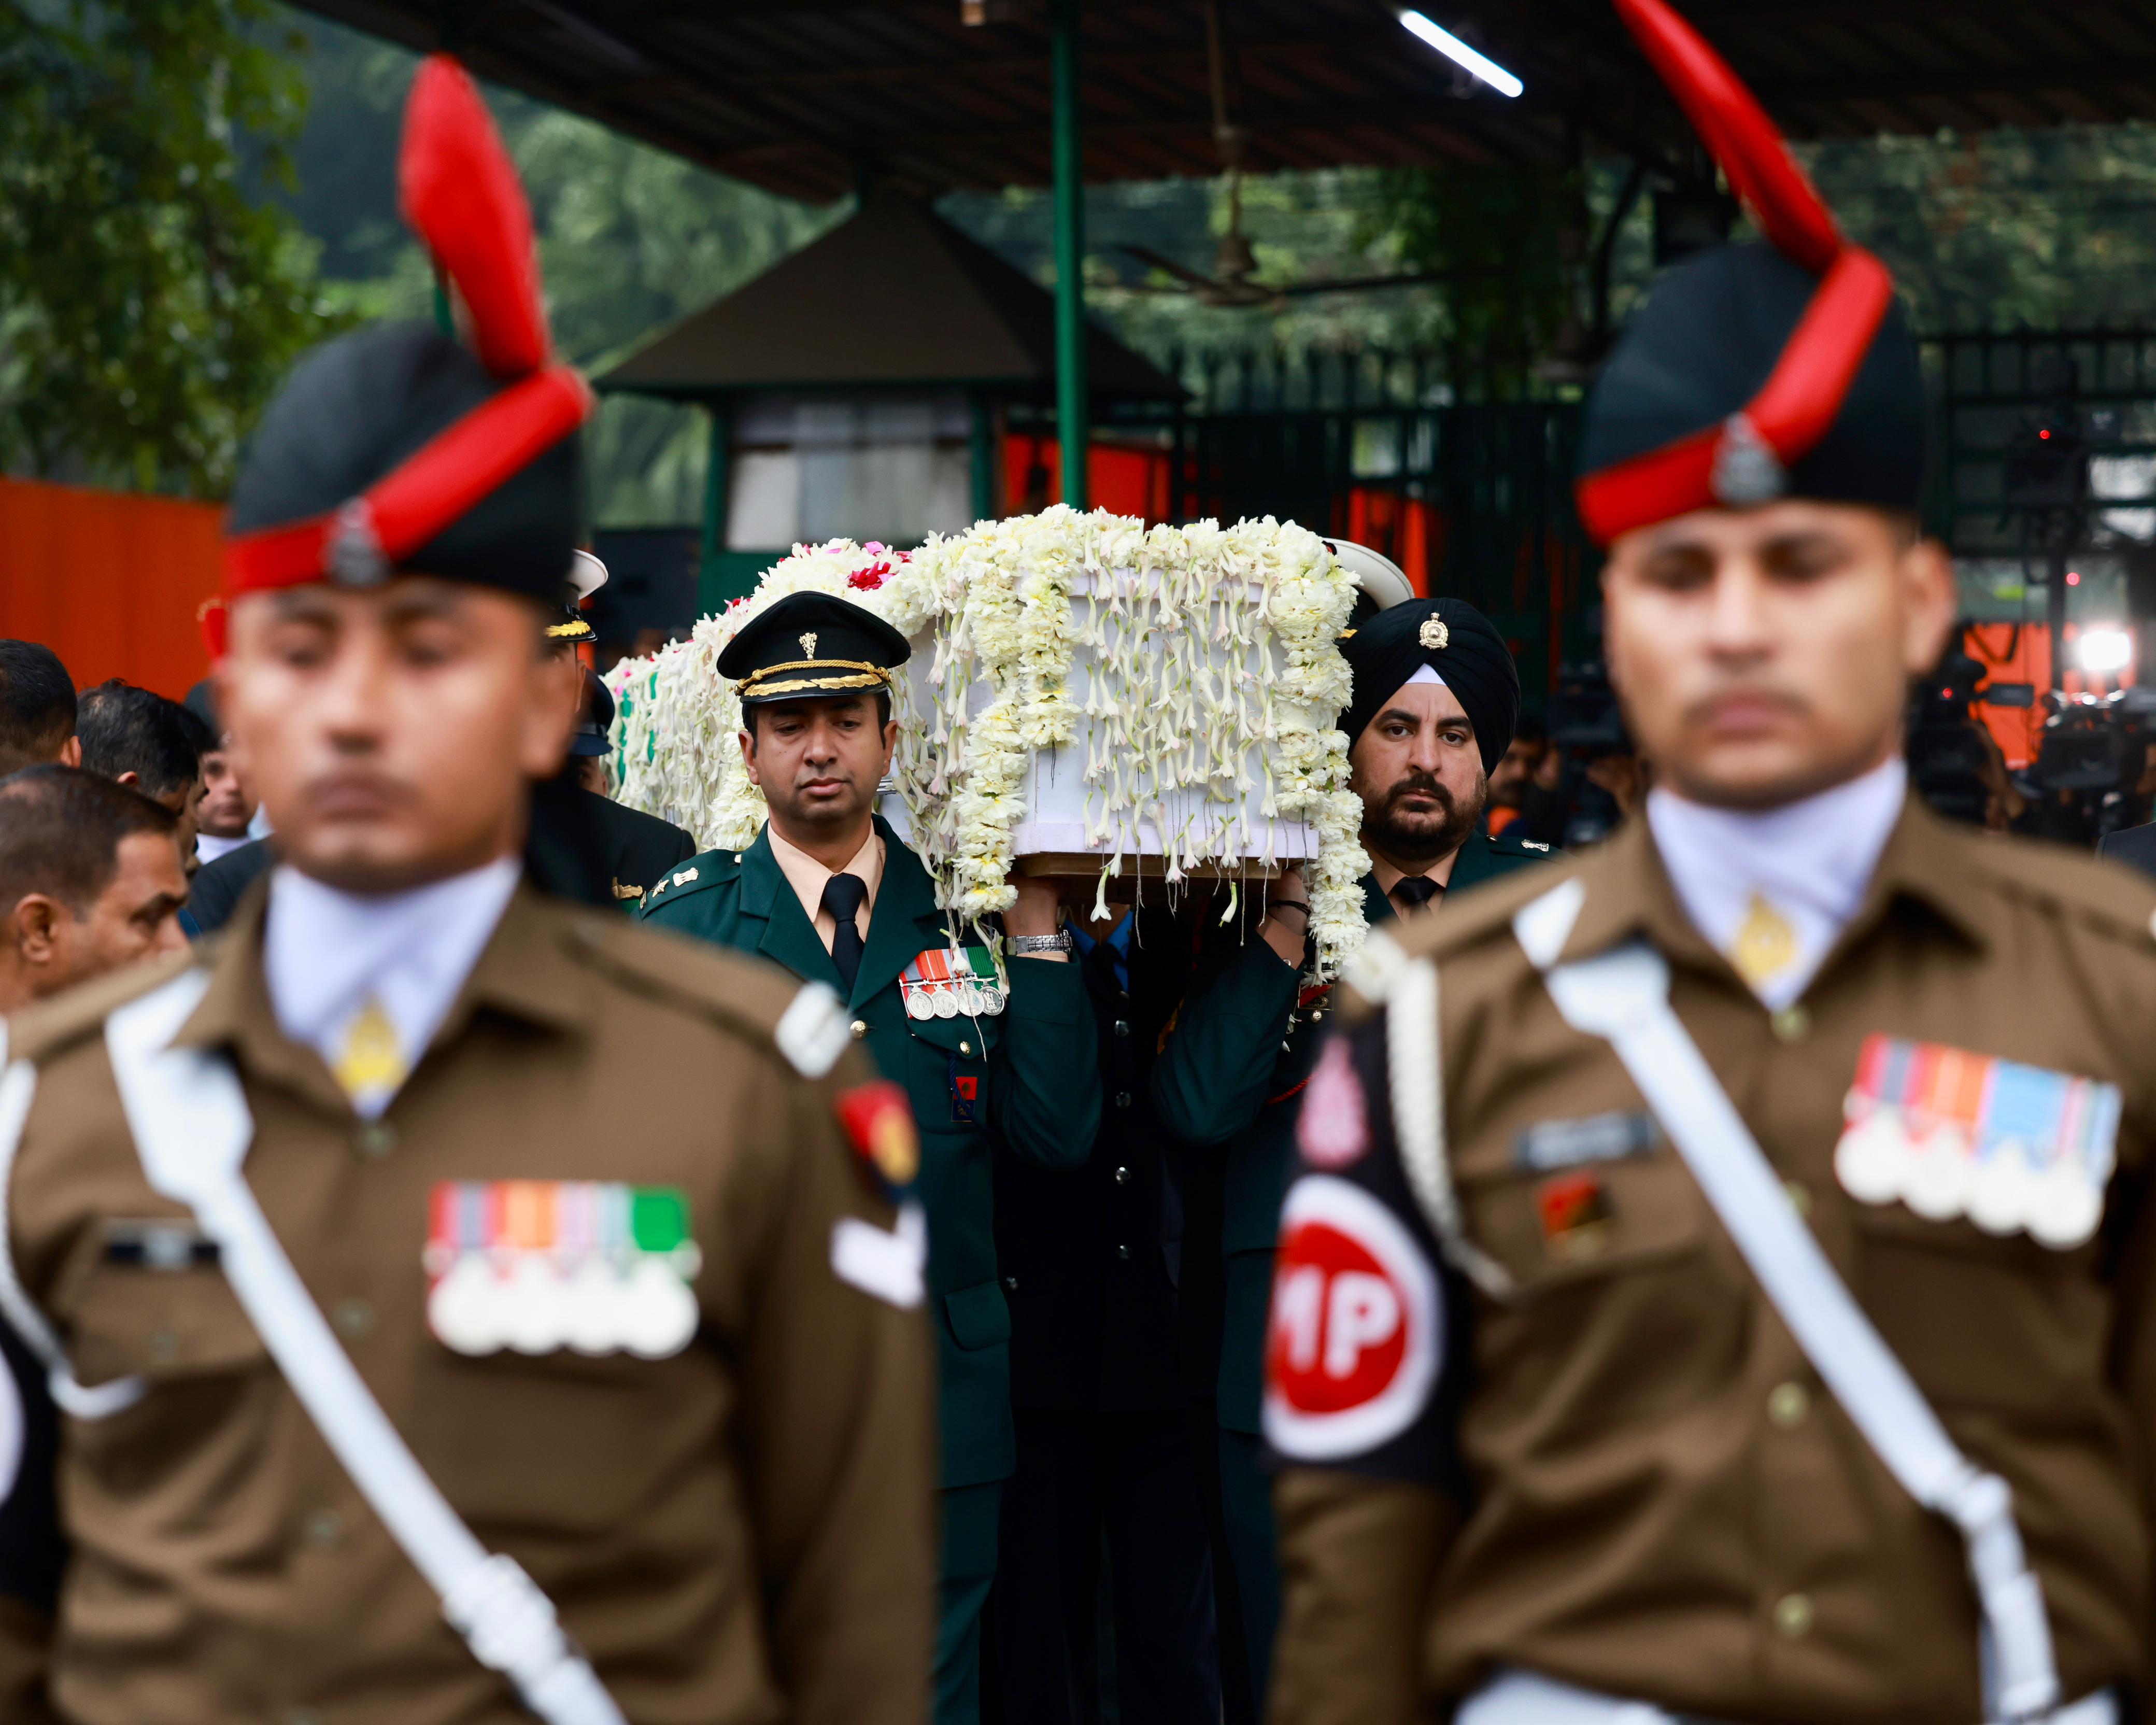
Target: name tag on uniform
<point>953,982</point>
<point>1950,1134</point>
<point>160,1244</point>
<point>537,1265</point>
<point>1550,1144</point>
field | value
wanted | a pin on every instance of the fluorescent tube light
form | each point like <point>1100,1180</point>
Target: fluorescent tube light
<point>1460,54</point>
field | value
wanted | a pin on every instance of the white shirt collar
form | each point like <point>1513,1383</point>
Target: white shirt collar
<point>324,952</point>
<point>1810,860</point>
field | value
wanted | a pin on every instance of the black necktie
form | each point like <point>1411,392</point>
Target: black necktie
<point>1412,892</point>
<point>842,897</point>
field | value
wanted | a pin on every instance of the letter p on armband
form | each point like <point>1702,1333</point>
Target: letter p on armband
<point>1355,1340</point>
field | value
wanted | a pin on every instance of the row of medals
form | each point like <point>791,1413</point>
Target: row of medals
<point>950,1000</point>
<point>1941,1172</point>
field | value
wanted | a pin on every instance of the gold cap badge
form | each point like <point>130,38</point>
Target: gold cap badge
<point>808,645</point>
<point>1434,634</point>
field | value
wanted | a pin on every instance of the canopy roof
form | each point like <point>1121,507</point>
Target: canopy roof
<point>801,96</point>
<point>895,295</point>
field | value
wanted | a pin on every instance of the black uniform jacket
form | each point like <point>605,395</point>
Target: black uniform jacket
<point>1090,1254</point>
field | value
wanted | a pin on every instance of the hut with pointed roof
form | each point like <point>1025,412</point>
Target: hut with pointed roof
<point>862,387</point>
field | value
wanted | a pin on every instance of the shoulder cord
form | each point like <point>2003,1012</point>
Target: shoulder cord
<point>1407,988</point>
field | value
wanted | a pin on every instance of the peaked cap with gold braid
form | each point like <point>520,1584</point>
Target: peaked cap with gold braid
<point>1755,372</point>
<point>396,448</point>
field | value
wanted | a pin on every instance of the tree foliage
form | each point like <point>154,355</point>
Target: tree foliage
<point>149,295</point>
<point>630,239</point>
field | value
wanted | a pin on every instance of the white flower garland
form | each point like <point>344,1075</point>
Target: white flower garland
<point>1204,649</point>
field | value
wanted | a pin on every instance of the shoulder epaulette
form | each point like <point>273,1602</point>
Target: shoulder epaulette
<point>2109,897</point>
<point>37,1033</point>
<point>702,871</point>
<point>1480,915</point>
<point>755,998</point>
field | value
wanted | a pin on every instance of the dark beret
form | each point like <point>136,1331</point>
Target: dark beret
<point>1456,641</point>
<point>357,407</point>
<point>1707,339</point>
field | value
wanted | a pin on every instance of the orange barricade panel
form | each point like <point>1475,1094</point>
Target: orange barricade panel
<point>1124,478</point>
<point>109,581</point>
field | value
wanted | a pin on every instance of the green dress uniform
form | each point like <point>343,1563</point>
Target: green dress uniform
<point>1235,1064</point>
<point>1032,1069</point>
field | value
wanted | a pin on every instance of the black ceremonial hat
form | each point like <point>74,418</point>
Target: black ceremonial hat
<point>812,643</point>
<point>358,409</point>
<point>1454,640</point>
<point>398,449</point>
<point>1753,373</point>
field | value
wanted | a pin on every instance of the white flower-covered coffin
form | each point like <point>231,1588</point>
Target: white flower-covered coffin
<point>1081,686</point>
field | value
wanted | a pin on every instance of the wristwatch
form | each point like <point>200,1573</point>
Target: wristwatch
<point>1022,944</point>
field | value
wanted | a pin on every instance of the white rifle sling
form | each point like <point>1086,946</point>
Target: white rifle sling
<point>1414,1063</point>
<point>1623,996</point>
<point>192,1129</point>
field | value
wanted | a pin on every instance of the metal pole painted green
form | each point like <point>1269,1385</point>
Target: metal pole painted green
<point>983,452</point>
<point>1073,426</point>
<point>711,593</point>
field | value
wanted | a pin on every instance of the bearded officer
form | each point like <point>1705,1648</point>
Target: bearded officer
<point>461,1305</point>
<point>1719,1283</point>
<point>829,890</point>
<point>1435,695</point>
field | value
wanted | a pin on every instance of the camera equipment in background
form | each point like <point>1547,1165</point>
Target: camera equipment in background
<point>1950,759</point>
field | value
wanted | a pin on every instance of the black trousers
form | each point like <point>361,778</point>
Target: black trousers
<point>1122,1484</point>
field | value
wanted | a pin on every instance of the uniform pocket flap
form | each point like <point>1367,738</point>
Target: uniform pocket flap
<point>126,1320</point>
<point>1589,1220</point>
<point>969,1038</point>
<point>978,1316</point>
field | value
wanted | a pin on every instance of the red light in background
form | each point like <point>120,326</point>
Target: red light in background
<point>2073,578</point>
<point>2044,435</point>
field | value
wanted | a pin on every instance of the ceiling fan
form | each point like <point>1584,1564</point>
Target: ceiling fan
<point>1233,284</point>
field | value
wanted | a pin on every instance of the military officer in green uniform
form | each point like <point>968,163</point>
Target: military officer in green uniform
<point>1436,698</point>
<point>830,892</point>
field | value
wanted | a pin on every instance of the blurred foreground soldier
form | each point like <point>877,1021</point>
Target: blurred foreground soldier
<point>1435,695</point>
<point>428,1256</point>
<point>831,892</point>
<point>90,880</point>
<point>137,738</point>
<point>1707,1295</point>
<point>37,709</point>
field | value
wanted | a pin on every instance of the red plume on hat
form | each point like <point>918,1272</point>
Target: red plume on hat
<point>460,192</point>
<point>1745,458</point>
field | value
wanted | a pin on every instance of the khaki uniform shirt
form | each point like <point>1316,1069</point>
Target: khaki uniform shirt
<point>740,1532</point>
<point>1626,1476</point>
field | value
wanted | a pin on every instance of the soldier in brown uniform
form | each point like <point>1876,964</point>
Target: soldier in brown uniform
<point>1719,1283</point>
<point>459,1305</point>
